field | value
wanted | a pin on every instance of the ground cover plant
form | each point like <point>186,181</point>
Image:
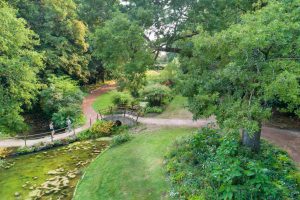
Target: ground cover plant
<point>208,165</point>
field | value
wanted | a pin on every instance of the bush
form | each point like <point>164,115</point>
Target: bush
<point>62,99</point>
<point>2,163</point>
<point>157,95</point>
<point>4,152</point>
<point>154,109</point>
<point>210,166</point>
<point>169,75</point>
<point>102,129</point>
<point>120,139</point>
<point>122,99</point>
<point>84,135</point>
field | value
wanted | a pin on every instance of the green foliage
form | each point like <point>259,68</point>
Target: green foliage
<point>120,139</point>
<point>170,74</point>
<point>4,152</point>
<point>2,163</point>
<point>102,129</point>
<point>19,65</point>
<point>157,95</point>
<point>62,35</point>
<point>212,166</point>
<point>154,109</point>
<point>234,73</point>
<point>122,99</point>
<point>84,135</point>
<point>122,48</point>
<point>62,99</point>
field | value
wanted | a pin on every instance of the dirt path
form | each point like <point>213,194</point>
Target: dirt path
<point>87,104</point>
<point>286,139</point>
<point>88,111</point>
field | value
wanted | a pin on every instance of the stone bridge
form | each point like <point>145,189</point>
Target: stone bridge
<point>121,119</point>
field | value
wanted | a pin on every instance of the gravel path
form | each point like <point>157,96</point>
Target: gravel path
<point>286,139</point>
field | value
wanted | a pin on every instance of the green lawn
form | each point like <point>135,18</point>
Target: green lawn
<point>104,101</point>
<point>132,171</point>
<point>177,109</point>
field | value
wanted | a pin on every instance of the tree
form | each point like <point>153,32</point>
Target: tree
<point>19,65</point>
<point>122,48</point>
<point>234,73</point>
<point>62,35</point>
<point>62,99</point>
<point>94,13</point>
<point>170,21</point>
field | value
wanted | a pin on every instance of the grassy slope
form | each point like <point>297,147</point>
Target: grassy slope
<point>104,101</point>
<point>176,109</point>
<point>131,171</point>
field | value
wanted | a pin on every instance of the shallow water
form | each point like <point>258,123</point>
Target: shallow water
<point>30,172</point>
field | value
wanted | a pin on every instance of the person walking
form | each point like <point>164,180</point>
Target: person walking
<point>51,126</point>
<point>69,123</point>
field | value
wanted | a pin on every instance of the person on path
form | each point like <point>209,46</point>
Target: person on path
<point>51,126</point>
<point>69,124</point>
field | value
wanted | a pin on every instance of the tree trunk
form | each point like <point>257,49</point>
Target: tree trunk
<point>252,141</point>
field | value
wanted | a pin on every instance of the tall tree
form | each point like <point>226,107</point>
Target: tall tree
<point>169,21</point>
<point>62,35</point>
<point>121,46</point>
<point>19,65</point>
<point>233,74</point>
<point>94,13</point>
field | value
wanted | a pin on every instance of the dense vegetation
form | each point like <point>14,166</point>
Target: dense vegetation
<point>93,40</point>
<point>238,61</point>
<point>208,165</point>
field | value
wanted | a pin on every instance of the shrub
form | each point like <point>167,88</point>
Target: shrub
<point>169,75</point>
<point>2,163</point>
<point>120,139</point>
<point>84,135</point>
<point>4,152</point>
<point>157,95</point>
<point>102,129</point>
<point>154,109</point>
<point>210,166</point>
<point>122,99</point>
<point>62,99</point>
<point>25,150</point>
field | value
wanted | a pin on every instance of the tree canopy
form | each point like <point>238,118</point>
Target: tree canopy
<point>19,65</point>
<point>235,74</point>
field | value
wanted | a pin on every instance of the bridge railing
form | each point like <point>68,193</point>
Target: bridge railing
<point>134,111</point>
<point>25,137</point>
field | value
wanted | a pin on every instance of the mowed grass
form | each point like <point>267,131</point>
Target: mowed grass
<point>177,109</point>
<point>133,170</point>
<point>104,101</point>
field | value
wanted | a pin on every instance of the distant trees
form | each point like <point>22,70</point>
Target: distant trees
<point>19,65</point>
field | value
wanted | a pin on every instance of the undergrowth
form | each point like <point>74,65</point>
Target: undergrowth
<point>210,166</point>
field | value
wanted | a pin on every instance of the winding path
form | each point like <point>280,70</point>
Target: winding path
<point>286,139</point>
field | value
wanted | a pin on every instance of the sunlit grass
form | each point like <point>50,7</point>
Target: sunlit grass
<point>133,170</point>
